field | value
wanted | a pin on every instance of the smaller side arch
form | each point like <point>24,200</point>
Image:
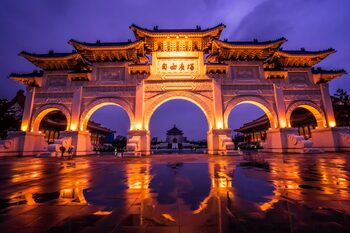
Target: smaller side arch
<point>98,103</point>
<point>255,100</point>
<point>312,107</point>
<point>42,111</point>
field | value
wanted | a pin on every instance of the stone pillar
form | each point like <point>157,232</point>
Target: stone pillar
<point>217,104</point>
<point>76,105</point>
<point>28,110</point>
<point>80,140</point>
<point>219,138</point>
<point>327,105</point>
<point>330,138</point>
<point>286,140</point>
<point>220,142</point>
<point>138,123</point>
<point>23,144</point>
<point>280,106</point>
<point>139,142</point>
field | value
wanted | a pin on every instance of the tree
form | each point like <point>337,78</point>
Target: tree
<point>8,120</point>
<point>341,106</point>
<point>120,143</point>
<point>343,96</point>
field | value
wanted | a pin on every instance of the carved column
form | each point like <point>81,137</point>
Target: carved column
<point>27,142</point>
<point>28,109</point>
<point>219,138</point>
<point>330,138</point>
<point>327,105</point>
<point>139,105</point>
<point>75,112</point>
<point>217,103</point>
<point>139,136</point>
<point>280,106</point>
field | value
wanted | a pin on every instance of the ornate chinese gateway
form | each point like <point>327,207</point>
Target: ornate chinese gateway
<point>191,64</point>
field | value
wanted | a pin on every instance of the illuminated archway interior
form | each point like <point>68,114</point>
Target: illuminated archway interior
<point>249,124</point>
<point>178,114</point>
<point>108,124</point>
<point>51,125</point>
<point>304,120</point>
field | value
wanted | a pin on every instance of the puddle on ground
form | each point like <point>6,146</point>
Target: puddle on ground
<point>204,194</point>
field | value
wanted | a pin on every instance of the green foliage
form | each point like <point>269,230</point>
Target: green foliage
<point>343,96</point>
<point>8,120</point>
<point>120,143</point>
<point>342,109</point>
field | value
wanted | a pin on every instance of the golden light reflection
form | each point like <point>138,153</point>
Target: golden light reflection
<point>168,217</point>
<point>333,177</point>
<point>268,205</point>
<point>286,180</point>
<point>102,213</point>
<point>221,181</point>
<point>138,176</point>
<point>23,175</point>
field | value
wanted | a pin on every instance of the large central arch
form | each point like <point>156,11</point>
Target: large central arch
<point>255,100</point>
<point>154,103</point>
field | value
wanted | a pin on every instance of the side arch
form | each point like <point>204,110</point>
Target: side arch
<point>312,107</point>
<point>42,111</point>
<point>255,100</point>
<point>100,102</point>
<point>200,101</point>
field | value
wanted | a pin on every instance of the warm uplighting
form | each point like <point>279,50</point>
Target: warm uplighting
<point>24,128</point>
<point>73,127</point>
<point>332,124</point>
<point>138,126</point>
<point>283,124</point>
<point>219,125</point>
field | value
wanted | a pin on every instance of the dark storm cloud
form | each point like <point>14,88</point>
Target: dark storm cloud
<point>312,24</point>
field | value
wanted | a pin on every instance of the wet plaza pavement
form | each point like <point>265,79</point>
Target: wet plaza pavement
<point>176,193</point>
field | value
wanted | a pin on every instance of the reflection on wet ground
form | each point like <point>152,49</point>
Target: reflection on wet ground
<point>176,193</point>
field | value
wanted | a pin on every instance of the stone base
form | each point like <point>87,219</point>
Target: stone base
<point>331,139</point>
<point>220,142</point>
<point>286,140</point>
<point>139,143</point>
<point>23,144</point>
<point>81,142</point>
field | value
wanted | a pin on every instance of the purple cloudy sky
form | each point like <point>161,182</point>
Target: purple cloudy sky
<point>41,25</point>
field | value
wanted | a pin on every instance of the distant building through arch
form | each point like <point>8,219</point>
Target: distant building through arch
<point>190,64</point>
